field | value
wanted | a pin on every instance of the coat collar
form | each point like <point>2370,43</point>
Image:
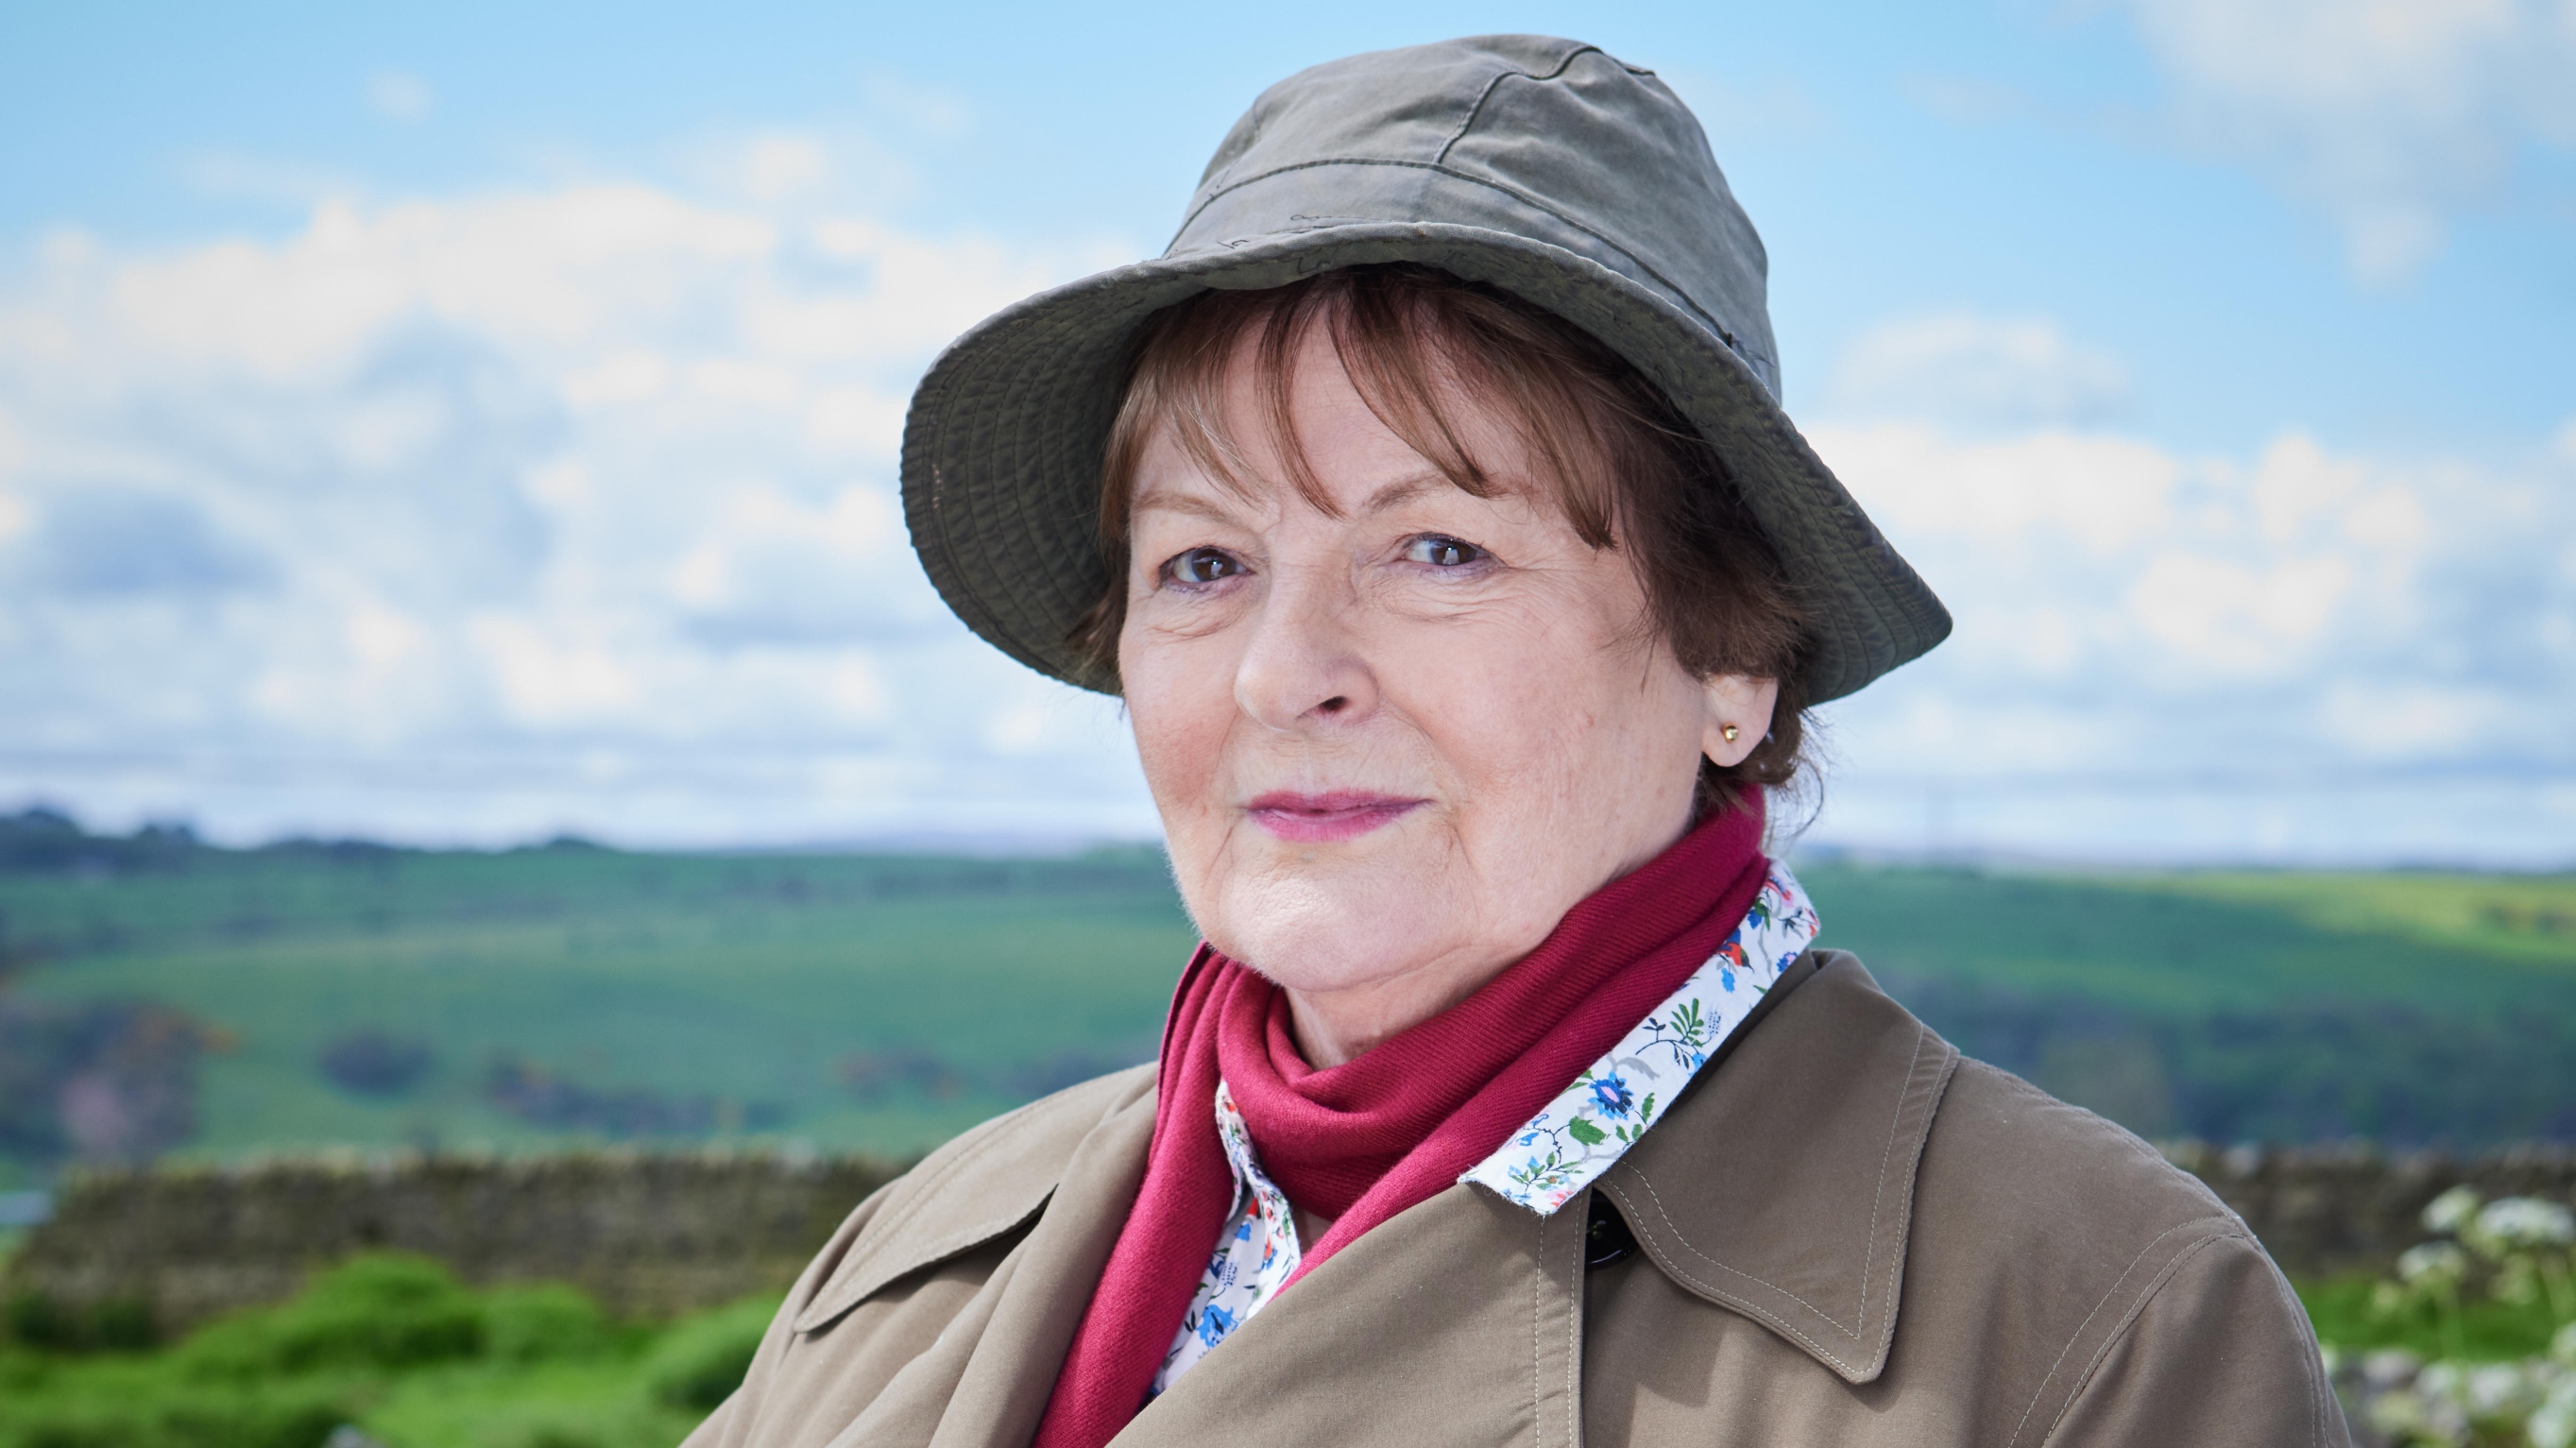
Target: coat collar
<point>996,1179</point>
<point>1782,1186</point>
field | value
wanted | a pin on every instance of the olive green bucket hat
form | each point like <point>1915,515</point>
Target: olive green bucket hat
<point>1540,166</point>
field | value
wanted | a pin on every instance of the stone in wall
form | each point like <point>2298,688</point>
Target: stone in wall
<point>648,1234</point>
<point>2326,1210</point>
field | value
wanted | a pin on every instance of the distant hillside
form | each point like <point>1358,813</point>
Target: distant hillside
<point>162,995</point>
<point>2408,1008</point>
<point>349,993</point>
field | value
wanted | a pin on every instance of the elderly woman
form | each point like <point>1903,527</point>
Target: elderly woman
<point>1429,507</point>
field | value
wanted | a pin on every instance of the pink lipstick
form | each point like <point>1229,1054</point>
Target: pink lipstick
<point>1336,815</point>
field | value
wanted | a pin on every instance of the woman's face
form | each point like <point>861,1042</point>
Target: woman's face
<point>1394,742</point>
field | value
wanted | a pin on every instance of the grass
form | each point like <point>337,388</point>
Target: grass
<point>2510,917</point>
<point>2490,1331</point>
<point>744,978</point>
<point>2208,941</point>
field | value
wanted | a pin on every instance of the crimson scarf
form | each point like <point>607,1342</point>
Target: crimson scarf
<point>1364,1140</point>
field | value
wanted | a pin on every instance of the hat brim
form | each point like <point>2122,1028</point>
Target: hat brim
<point>1003,446</point>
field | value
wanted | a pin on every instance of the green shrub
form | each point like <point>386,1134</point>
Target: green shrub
<point>37,1320</point>
<point>703,1358</point>
<point>123,1324</point>
<point>396,1345</point>
<point>545,1321</point>
<point>595,1403</point>
<point>387,1310</point>
<point>156,1411</point>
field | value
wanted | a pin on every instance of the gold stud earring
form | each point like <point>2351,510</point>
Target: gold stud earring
<point>1730,731</point>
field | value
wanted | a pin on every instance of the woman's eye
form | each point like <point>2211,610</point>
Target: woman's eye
<point>1203,565</point>
<point>1442,552</point>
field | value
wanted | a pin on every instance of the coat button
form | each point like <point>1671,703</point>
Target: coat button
<point>1606,1237</point>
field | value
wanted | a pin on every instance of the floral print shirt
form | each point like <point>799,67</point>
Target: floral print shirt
<point>1545,1164</point>
<point>1255,1255</point>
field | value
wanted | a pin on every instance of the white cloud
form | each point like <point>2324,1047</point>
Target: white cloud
<point>493,514</point>
<point>2391,115</point>
<point>805,173</point>
<point>1960,369</point>
<point>931,110</point>
<point>400,97</point>
<point>2302,614</point>
<point>490,515</point>
<point>775,167</point>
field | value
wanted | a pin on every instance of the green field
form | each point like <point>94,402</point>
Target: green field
<point>749,982</point>
<point>883,1002</point>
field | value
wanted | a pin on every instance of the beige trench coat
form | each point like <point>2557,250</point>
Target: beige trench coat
<point>1849,1236</point>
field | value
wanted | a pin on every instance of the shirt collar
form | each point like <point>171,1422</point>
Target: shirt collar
<point>1603,1112</point>
<point>1608,1109</point>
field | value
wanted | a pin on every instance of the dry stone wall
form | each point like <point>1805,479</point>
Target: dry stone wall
<point>2322,1210</point>
<point>647,1234</point>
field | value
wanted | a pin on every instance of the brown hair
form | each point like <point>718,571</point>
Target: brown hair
<point>1627,469</point>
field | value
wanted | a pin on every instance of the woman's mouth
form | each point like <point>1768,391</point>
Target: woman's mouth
<point>1341,814</point>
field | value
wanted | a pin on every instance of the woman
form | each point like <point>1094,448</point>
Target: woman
<point>1428,505</point>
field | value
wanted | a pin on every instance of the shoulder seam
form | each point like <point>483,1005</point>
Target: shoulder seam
<point>2128,1141</point>
<point>2229,1228</point>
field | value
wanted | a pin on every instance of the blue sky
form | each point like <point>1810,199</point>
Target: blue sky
<point>471,423</point>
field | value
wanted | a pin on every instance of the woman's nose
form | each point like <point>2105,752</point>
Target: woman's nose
<point>1302,666</point>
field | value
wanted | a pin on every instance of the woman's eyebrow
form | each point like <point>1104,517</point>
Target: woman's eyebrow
<point>1166,500</point>
<point>1390,495</point>
<point>1402,491</point>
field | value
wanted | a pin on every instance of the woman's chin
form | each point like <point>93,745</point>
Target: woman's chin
<point>1326,935</point>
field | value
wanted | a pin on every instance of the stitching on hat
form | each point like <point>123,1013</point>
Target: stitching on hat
<point>1487,94</point>
<point>1513,192</point>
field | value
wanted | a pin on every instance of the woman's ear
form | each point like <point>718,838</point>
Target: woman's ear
<point>1739,715</point>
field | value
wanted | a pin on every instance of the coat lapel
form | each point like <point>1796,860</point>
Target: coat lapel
<point>985,1381</point>
<point>1459,1321</point>
<point>1782,1187</point>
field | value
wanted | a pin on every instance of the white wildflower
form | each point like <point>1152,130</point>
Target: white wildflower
<point>2413,1417</point>
<point>2526,1222</point>
<point>2433,1264</point>
<point>2553,1423</point>
<point>2444,1382</point>
<point>2451,1210</point>
<point>2390,1367</point>
<point>2493,1392</point>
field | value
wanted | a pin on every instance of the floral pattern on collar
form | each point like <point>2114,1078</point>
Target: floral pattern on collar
<point>1255,1256</point>
<point>1546,1163</point>
<point>1595,1120</point>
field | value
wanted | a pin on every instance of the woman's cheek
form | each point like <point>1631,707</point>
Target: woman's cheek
<point>1180,713</point>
